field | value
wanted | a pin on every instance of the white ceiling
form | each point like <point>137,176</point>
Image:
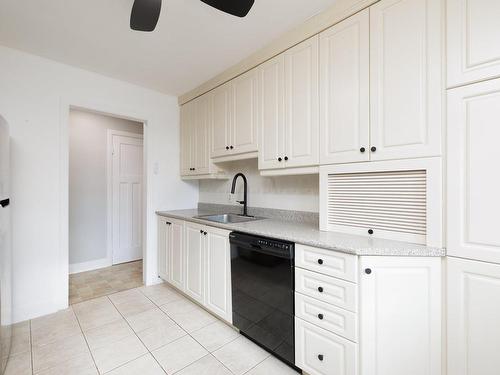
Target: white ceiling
<point>192,42</point>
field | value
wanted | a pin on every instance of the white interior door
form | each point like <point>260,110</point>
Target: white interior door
<point>127,204</point>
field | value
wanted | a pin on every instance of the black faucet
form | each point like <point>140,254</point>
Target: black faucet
<point>244,201</point>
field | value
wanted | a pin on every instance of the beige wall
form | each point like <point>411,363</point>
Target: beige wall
<point>285,192</point>
<point>88,183</point>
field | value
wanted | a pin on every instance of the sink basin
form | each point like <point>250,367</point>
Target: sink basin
<point>228,218</point>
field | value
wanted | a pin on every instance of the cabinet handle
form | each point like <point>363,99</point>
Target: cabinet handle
<point>201,231</point>
<point>320,357</point>
<point>320,261</point>
<point>368,271</point>
<point>168,223</point>
<point>362,149</point>
<point>370,231</point>
<point>320,289</point>
<point>231,147</point>
<point>280,159</point>
<point>373,149</point>
<point>205,233</point>
<point>320,316</point>
<point>286,158</point>
<point>227,147</point>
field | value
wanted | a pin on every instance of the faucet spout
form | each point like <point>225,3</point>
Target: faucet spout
<point>245,191</point>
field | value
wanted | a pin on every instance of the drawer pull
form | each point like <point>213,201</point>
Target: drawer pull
<point>320,289</point>
<point>368,271</point>
<point>320,357</point>
<point>320,261</point>
<point>320,316</point>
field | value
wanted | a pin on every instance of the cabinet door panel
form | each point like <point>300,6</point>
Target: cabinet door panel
<point>271,108</point>
<point>164,238</point>
<point>175,255</point>
<point>400,316</point>
<point>406,92</point>
<point>201,134</point>
<point>302,104</point>
<point>195,270</point>
<point>473,35</point>
<point>186,146</point>
<point>344,88</point>
<point>473,311</point>
<point>221,120</point>
<point>245,114</point>
<point>218,280</point>
<point>473,178</point>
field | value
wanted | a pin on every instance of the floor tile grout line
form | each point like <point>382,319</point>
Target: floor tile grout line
<point>86,341</point>
<point>135,333</point>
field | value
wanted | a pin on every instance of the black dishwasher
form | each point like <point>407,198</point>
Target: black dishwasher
<point>262,280</point>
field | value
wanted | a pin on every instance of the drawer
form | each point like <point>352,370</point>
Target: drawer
<point>327,289</point>
<point>328,262</point>
<point>319,352</point>
<point>329,317</point>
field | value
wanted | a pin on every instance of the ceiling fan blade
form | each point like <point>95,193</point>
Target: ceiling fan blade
<point>239,8</point>
<point>145,15</point>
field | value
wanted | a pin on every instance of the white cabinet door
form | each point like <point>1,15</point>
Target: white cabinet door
<point>175,254</point>
<point>302,104</point>
<point>473,35</point>
<point>272,115</point>
<point>405,78</point>
<point>344,91</point>
<point>400,318</point>
<point>473,175</point>
<point>473,312</point>
<point>245,113</point>
<point>319,352</point>
<point>218,273</point>
<point>187,119</point>
<point>221,121</point>
<point>164,238</point>
<point>195,258</point>
<point>201,134</point>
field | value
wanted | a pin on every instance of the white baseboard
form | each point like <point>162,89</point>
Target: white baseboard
<point>89,266</point>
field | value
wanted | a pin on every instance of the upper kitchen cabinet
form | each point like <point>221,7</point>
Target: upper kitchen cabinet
<point>289,106</point>
<point>473,177</point>
<point>473,41</point>
<point>344,91</point>
<point>234,121</point>
<point>195,139</point>
<point>405,79</point>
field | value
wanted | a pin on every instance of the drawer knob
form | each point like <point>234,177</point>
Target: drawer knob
<point>362,149</point>
<point>320,357</point>
<point>373,149</point>
<point>320,261</point>
<point>320,289</point>
<point>320,316</point>
<point>368,271</point>
<point>370,231</point>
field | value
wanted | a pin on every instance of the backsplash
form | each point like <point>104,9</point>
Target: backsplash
<point>296,193</point>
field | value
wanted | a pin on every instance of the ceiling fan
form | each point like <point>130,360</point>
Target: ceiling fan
<point>145,13</point>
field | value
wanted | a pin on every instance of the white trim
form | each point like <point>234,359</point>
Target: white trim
<point>67,104</point>
<point>433,166</point>
<point>109,185</point>
<point>289,171</point>
<point>89,266</point>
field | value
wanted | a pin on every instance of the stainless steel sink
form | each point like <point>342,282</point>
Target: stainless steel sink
<point>228,218</point>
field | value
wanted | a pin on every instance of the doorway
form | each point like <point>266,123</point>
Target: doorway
<point>106,187</point>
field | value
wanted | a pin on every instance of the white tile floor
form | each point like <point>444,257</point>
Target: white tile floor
<point>146,331</point>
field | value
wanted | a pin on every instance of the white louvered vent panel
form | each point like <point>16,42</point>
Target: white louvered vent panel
<point>386,201</point>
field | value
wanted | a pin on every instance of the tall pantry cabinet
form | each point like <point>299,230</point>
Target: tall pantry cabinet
<point>473,199</point>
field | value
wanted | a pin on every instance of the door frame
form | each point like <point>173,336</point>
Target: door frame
<point>94,106</point>
<point>109,187</point>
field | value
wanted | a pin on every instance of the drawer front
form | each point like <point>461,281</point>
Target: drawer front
<point>327,289</point>
<point>319,352</point>
<point>328,262</point>
<point>329,317</point>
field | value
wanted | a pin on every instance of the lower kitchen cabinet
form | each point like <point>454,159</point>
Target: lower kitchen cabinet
<point>194,249</point>
<point>318,351</point>
<point>163,243</point>
<point>175,254</point>
<point>400,316</point>
<point>473,312</point>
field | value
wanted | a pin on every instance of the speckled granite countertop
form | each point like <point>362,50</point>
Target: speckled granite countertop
<point>307,233</point>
